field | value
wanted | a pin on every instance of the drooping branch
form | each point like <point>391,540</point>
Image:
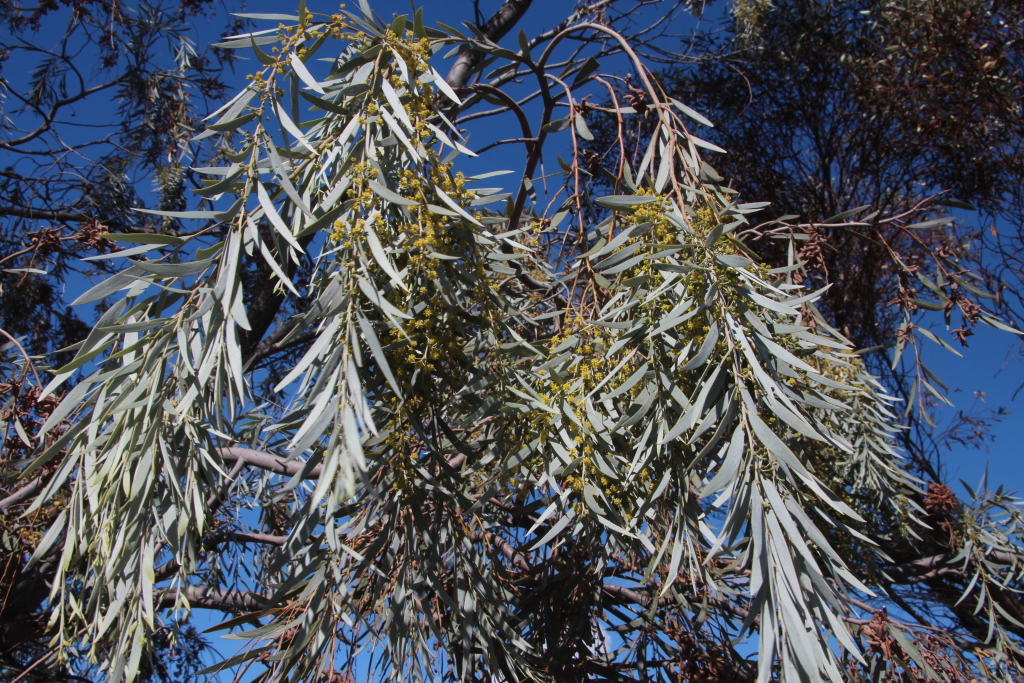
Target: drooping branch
<point>260,459</point>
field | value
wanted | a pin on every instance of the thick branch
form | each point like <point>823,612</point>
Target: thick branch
<point>945,578</point>
<point>261,459</point>
<point>624,596</point>
<point>268,461</point>
<point>265,303</point>
<point>22,494</point>
<point>495,29</point>
<point>503,546</point>
<point>275,343</point>
<point>232,601</point>
<point>938,565</point>
<point>242,537</point>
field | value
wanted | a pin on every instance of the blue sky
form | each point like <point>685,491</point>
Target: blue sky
<point>991,364</point>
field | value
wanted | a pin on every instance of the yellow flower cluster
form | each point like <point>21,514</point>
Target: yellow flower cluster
<point>426,354</point>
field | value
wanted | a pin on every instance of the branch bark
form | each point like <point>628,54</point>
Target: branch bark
<point>48,117</point>
<point>43,214</point>
<point>503,546</point>
<point>495,29</point>
<point>623,595</point>
<point>242,537</point>
<point>275,343</point>
<point>231,601</point>
<point>22,494</point>
<point>268,461</point>
<point>260,459</point>
<point>937,565</point>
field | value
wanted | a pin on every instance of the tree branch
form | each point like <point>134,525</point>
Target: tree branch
<point>503,546</point>
<point>938,565</point>
<point>22,494</point>
<point>624,595</point>
<point>241,537</point>
<point>231,601</point>
<point>275,342</point>
<point>57,106</point>
<point>268,461</point>
<point>495,29</point>
<point>43,214</point>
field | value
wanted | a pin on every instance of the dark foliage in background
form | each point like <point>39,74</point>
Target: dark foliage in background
<point>100,99</point>
<point>829,106</point>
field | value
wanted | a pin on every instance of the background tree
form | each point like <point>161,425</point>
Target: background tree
<point>74,166</point>
<point>534,440</point>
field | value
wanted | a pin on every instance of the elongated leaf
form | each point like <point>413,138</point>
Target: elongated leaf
<point>556,126</point>
<point>581,128</point>
<point>691,113</point>
<point>382,258</point>
<point>290,126</point>
<point>109,286</point>
<point>705,350</point>
<point>730,465</point>
<point>706,145</point>
<point>623,201</point>
<point>393,197</point>
<point>443,86</point>
<point>142,238</point>
<point>303,73</point>
<point>274,217</point>
<point>180,214</point>
<point>455,207</point>
<point>174,269</point>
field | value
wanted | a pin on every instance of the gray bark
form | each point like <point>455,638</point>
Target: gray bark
<point>495,29</point>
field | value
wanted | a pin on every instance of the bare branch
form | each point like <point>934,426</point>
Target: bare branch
<point>49,117</point>
<point>939,565</point>
<point>231,601</point>
<point>268,461</point>
<point>43,214</point>
<point>240,537</point>
<point>22,494</point>
<point>503,546</point>
<point>495,29</point>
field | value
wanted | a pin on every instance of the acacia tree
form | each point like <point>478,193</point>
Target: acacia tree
<point>540,434</point>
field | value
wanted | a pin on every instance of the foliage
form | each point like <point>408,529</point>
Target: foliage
<point>864,122</point>
<point>577,438</point>
<point>73,166</point>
